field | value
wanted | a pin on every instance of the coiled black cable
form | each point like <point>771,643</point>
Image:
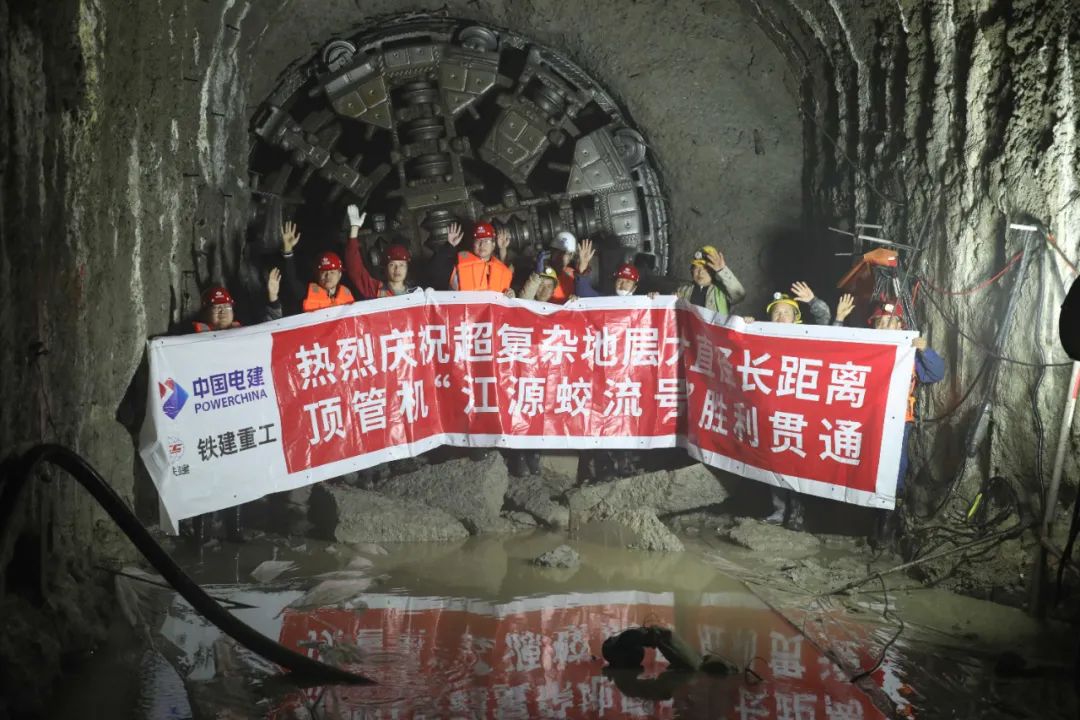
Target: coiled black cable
<point>301,667</point>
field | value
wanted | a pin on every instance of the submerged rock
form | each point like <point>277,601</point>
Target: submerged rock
<point>350,515</point>
<point>471,491</point>
<point>563,556</point>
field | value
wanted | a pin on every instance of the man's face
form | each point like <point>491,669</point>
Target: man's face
<point>559,259</point>
<point>329,279</point>
<point>700,275</point>
<point>888,322</point>
<point>219,317</point>
<point>483,248</point>
<point>397,271</point>
<point>624,286</point>
<point>782,313</point>
<point>546,289</point>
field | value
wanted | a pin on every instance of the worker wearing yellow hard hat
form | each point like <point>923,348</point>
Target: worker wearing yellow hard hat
<point>714,285</point>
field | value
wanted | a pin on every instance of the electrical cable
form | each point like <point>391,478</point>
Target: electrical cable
<point>976,288</point>
<point>881,656</point>
<point>987,350</point>
<point>993,366</point>
<point>959,403</point>
<point>1053,243</point>
<point>17,476</point>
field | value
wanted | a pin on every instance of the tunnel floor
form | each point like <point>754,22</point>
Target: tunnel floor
<point>475,629</point>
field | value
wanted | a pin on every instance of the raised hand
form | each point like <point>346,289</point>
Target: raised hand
<point>844,306</point>
<point>802,292</point>
<point>585,255</point>
<point>289,237</point>
<point>502,241</point>
<point>356,218</point>
<point>454,234</point>
<point>715,260</point>
<point>273,285</point>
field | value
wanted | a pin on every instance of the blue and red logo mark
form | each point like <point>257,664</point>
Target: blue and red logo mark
<point>173,397</point>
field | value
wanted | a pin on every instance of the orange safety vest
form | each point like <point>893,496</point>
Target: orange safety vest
<point>565,288</point>
<point>317,298</point>
<point>472,273</point>
<point>911,398</point>
<point>203,327</point>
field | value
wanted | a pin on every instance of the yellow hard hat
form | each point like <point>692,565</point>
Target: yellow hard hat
<point>784,299</point>
<point>701,257</point>
<point>550,274</point>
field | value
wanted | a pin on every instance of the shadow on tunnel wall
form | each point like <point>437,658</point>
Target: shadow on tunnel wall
<point>788,254</point>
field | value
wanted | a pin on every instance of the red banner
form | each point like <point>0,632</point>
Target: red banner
<point>816,409</point>
<point>796,406</point>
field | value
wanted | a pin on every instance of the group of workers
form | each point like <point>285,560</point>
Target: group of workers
<point>561,274</point>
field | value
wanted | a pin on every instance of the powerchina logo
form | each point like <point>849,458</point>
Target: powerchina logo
<point>226,389</point>
<point>173,397</point>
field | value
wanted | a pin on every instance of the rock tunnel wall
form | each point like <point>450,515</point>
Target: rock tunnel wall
<point>123,171</point>
<point>944,122</point>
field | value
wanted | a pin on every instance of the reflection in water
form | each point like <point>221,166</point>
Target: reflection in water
<point>473,629</point>
<point>491,654</point>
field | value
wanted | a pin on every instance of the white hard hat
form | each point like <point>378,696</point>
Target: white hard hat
<point>564,241</point>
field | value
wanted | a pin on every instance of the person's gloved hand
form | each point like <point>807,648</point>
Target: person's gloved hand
<point>356,218</point>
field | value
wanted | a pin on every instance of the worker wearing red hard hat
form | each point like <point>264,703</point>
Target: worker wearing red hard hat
<point>218,307</point>
<point>327,290</point>
<point>607,464</point>
<point>396,261</point>
<point>217,311</point>
<point>929,368</point>
<point>481,268</point>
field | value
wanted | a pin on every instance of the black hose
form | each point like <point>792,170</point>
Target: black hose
<point>303,668</point>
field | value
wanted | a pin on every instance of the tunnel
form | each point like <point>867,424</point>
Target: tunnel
<point>153,150</point>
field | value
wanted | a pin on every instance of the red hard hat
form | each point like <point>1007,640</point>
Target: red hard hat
<point>886,309</point>
<point>217,296</point>
<point>627,272</point>
<point>398,252</point>
<point>328,261</point>
<point>483,231</point>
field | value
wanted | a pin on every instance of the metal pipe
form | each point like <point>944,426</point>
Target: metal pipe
<point>1059,456</point>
